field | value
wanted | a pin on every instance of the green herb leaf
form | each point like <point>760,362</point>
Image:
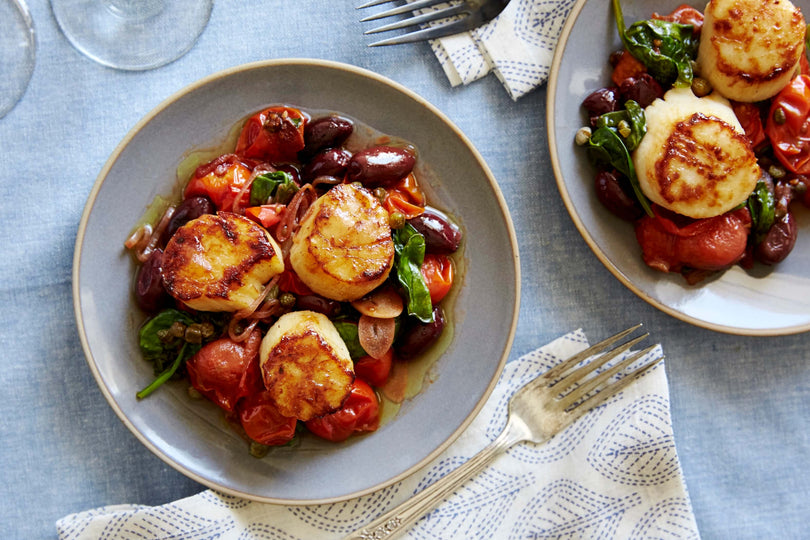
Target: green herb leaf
<point>633,116</point>
<point>165,352</point>
<point>265,186</point>
<point>348,332</point>
<point>410,253</point>
<point>666,48</point>
<point>762,206</point>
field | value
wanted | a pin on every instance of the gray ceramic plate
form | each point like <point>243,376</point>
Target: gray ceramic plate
<point>766,301</point>
<point>191,435</point>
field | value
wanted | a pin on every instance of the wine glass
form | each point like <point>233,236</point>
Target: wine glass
<point>17,52</point>
<point>132,34</point>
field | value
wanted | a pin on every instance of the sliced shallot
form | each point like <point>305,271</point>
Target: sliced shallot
<point>376,335</point>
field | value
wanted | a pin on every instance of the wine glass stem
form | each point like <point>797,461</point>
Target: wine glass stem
<point>135,10</point>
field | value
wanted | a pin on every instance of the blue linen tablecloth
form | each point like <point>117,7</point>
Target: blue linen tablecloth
<point>738,404</point>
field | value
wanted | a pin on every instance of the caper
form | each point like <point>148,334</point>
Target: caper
<point>701,87</point>
<point>287,299</point>
<point>258,450</point>
<point>380,193</point>
<point>193,393</point>
<point>396,220</point>
<point>624,128</point>
<point>193,334</point>
<point>776,171</point>
<point>779,116</point>
<point>583,136</point>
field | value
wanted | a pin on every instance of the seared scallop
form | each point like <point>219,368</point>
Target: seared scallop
<point>306,366</point>
<point>220,262</point>
<point>750,49</point>
<point>695,159</point>
<point>343,248</point>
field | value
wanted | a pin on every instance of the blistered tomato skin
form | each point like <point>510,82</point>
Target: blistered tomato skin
<point>707,244</point>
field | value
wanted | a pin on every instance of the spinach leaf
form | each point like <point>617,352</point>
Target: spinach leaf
<point>606,147</point>
<point>410,253</point>
<point>666,48</point>
<point>348,332</point>
<point>762,206</point>
<point>278,186</point>
<point>166,351</point>
<point>636,122</point>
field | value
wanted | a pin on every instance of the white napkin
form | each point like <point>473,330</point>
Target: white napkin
<point>517,46</point>
<point>612,474</point>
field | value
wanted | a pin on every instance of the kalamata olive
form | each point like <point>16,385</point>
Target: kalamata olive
<point>417,336</point>
<point>313,302</point>
<point>188,209</point>
<point>441,234</point>
<point>329,162</point>
<point>380,165</point>
<point>782,195</point>
<point>778,241</point>
<point>642,89</point>
<point>615,197</point>
<point>602,101</point>
<point>325,132</point>
<point>149,292</point>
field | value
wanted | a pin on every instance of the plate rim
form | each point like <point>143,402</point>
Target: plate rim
<point>551,96</point>
<point>264,64</point>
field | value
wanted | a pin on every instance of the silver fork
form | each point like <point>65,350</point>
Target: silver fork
<point>467,14</point>
<point>537,411</point>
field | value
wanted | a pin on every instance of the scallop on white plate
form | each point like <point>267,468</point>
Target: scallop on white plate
<point>766,300</point>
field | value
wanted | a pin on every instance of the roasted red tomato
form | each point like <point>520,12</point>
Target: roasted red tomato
<point>405,197</point>
<point>222,181</point>
<point>374,371</point>
<point>706,244</point>
<point>275,135</point>
<point>684,14</point>
<point>225,371</point>
<point>360,412</point>
<point>438,273</point>
<point>788,125</point>
<point>262,422</point>
<point>750,119</point>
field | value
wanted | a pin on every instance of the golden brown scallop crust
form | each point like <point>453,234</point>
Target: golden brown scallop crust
<point>709,146</point>
<point>219,262</point>
<point>750,48</point>
<point>305,377</point>
<point>343,247</point>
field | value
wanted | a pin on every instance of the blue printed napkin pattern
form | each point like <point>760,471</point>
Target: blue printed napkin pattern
<point>517,46</point>
<point>612,474</point>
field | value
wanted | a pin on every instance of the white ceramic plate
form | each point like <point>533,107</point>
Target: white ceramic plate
<point>191,435</point>
<point>765,301</point>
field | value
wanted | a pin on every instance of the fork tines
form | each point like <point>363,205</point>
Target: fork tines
<point>468,19</point>
<point>564,375</point>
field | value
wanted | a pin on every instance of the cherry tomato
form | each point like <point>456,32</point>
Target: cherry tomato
<point>626,66</point>
<point>788,125</point>
<point>290,282</point>
<point>438,273</point>
<point>221,180</point>
<point>750,118</point>
<point>275,135</point>
<point>405,197</point>
<point>266,215</point>
<point>705,244</point>
<point>225,371</point>
<point>374,371</point>
<point>684,14</point>
<point>262,422</point>
<point>360,412</point>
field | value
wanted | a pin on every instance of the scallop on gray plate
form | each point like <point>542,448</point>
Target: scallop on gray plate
<point>767,300</point>
<point>192,435</point>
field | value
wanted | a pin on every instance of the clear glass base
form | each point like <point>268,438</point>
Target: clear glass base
<point>17,52</point>
<point>132,34</point>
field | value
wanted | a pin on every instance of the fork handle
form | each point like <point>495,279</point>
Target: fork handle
<point>397,520</point>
